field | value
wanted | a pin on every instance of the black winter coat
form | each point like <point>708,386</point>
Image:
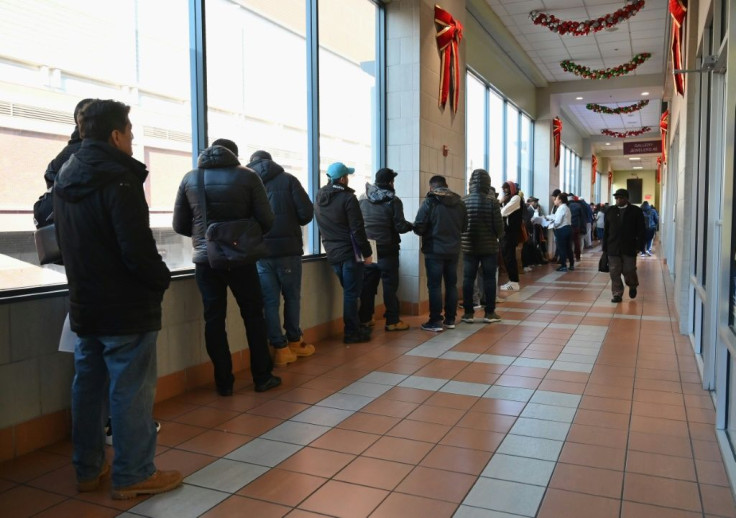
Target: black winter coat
<point>116,276</point>
<point>75,142</point>
<point>338,216</point>
<point>623,231</point>
<point>485,224</point>
<point>291,207</point>
<point>232,192</point>
<point>383,213</point>
<point>440,222</point>
<point>578,214</point>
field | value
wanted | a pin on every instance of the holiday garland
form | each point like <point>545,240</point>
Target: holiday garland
<point>625,134</point>
<point>616,111</point>
<point>584,28</point>
<point>606,73</point>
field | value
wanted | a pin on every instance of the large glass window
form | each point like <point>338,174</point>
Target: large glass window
<point>475,125</point>
<point>496,136</point>
<point>525,154</point>
<point>512,143</point>
<point>570,170</point>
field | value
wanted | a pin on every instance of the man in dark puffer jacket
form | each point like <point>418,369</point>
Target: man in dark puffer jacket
<point>343,236</point>
<point>231,192</point>
<point>383,213</point>
<point>117,280</point>
<point>281,271</point>
<point>480,244</point>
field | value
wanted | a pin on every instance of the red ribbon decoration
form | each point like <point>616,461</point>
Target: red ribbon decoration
<point>678,10</point>
<point>594,167</point>
<point>610,180</point>
<point>663,129</point>
<point>557,136</point>
<point>449,34</point>
<point>659,169</point>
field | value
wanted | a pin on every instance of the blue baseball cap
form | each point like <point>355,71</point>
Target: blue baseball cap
<point>338,170</point>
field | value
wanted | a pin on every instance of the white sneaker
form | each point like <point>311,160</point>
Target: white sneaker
<point>528,268</point>
<point>511,286</point>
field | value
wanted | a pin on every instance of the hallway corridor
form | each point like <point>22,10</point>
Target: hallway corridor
<point>570,407</point>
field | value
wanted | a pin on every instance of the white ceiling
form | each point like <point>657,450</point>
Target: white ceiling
<point>644,32</point>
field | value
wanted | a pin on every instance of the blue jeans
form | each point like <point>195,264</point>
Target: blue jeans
<point>599,233</point>
<point>350,274</point>
<point>129,363</point>
<point>246,288</point>
<point>564,246</point>
<point>437,270</point>
<point>386,270</point>
<point>281,276</point>
<point>488,264</point>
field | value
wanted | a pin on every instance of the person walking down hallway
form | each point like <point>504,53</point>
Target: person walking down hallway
<point>230,192</point>
<point>623,238</point>
<point>117,280</point>
<point>342,231</point>
<point>383,213</point>
<point>281,271</point>
<point>440,222</point>
<point>511,205</point>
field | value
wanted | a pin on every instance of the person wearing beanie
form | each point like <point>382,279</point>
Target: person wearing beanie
<point>624,236</point>
<point>511,205</point>
<point>383,213</point>
<point>280,272</point>
<point>480,245</point>
<point>342,231</point>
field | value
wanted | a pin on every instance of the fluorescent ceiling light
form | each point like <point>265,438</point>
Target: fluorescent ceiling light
<point>637,167</point>
<point>634,158</point>
<point>578,98</point>
<point>645,93</point>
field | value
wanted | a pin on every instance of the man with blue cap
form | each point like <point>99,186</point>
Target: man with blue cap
<point>343,235</point>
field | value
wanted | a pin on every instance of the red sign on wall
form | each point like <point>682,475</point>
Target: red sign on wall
<point>642,147</point>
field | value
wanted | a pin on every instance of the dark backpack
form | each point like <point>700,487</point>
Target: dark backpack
<point>43,209</point>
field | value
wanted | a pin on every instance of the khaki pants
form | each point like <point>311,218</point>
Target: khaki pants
<point>625,265</point>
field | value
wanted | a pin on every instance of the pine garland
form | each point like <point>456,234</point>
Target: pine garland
<point>562,27</point>
<point>617,111</point>
<point>626,134</point>
<point>606,73</point>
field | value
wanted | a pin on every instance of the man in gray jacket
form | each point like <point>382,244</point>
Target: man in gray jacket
<point>383,213</point>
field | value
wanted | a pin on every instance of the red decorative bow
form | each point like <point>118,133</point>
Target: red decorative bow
<point>659,169</point>
<point>449,34</point>
<point>663,129</point>
<point>610,180</point>
<point>557,136</point>
<point>594,168</point>
<point>678,10</point>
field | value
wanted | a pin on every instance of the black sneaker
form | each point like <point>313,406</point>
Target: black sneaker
<point>468,318</point>
<point>435,327</point>
<point>616,298</point>
<point>490,318</point>
<point>357,338</point>
<point>632,292</point>
<point>272,382</point>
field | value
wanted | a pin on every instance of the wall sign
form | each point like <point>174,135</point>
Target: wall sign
<point>642,147</point>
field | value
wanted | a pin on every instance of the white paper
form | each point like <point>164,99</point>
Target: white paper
<point>68,338</point>
<point>539,220</point>
<point>374,250</point>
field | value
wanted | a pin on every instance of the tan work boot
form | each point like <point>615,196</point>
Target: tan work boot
<point>85,486</point>
<point>282,356</point>
<point>301,348</point>
<point>159,482</point>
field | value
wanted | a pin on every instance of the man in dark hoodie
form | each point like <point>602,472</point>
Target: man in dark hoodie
<point>116,284</point>
<point>383,213</point>
<point>231,192</point>
<point>281,271</point>
<point>343,235</point>
<point>480,244</point>
<point>440,222</point>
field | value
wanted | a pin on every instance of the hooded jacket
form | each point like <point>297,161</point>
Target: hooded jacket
<point>291,208</point>
<point>340,223</point>
<point>383,213</point>
<point>623,231</point>
<point>440,222</point>
<point>232,192</point>
<point>485,224</point>
<point>116,276</point>
<point>511,212</point>
<point>75,142</point>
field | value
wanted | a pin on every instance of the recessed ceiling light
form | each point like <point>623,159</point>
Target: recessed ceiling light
<point>578,98</point>
<point>645,93</point>
<point>608,143</point>
<point>637,167</point>
<point>634,158</point>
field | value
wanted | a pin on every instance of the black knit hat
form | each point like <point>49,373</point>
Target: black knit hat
<point>385,176</point>
<point>228,144</point>
<point>260,155</point>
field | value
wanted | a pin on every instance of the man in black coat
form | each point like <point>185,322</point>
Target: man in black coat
<point>440,222</point>
<point>231,192</point>
<point>383,213</point>
<point>281,271</point>
<point>480,244</point>
<point>343,235</point>
<point>623,239</point>
<point>117,281</point>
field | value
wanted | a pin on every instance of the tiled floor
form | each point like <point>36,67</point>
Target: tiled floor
<point>570,407</point>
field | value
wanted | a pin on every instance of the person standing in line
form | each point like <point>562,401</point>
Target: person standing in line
<point>578,223</point>
<point>342,230</point>
<point>511,206</point>
<point>623,238</point>
<point>651,220</point>
<point>480,245</point>
<point>440,222</point>
<point>562,224</point>
<point>281,271</point>
<point>383,213</point>
<point>231,192</point>
<point>117,280</point>
<point>600,221</point>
